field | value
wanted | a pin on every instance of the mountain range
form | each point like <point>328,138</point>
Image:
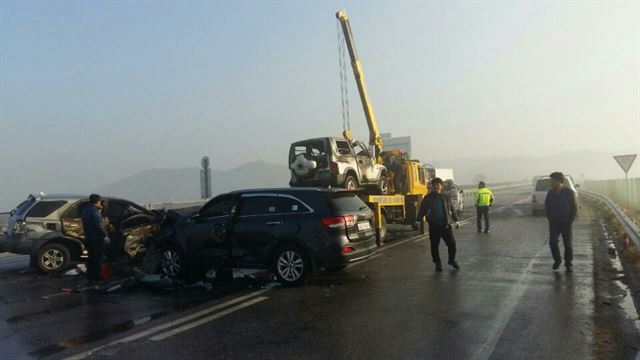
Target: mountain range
<point>183,184</point>
<point>176,185</point>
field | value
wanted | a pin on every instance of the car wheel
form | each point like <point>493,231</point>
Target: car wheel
<point>350,183</point>
<point>383,186</point>
<point>291,265</point>
<point>172,262</point>
<point>53,258</point>
<point>339,268</point>
<point>381,234</point>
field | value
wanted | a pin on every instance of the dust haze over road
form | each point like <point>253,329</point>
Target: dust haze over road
<point>124,98</point>
<point>500,80</point>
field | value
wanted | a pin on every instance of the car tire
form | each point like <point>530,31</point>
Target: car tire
<point>53,258</point>
<point>381,235</point>
<point>291,264</point>
<point>173,263</point>
<point>336,269</point>
<point>350,183</point>
<point>383,186</point>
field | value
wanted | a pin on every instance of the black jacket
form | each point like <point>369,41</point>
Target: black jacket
<point>561,206</point>
<point>429,202</point>
<point>92,222</point>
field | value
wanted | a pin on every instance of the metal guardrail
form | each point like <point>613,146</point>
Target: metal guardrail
<point>629,226</point>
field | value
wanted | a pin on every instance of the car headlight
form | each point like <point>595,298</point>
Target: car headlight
<point>20,227</point>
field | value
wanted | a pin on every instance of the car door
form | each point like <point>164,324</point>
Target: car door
<point>72,220</point>
<point>293,213</point>
<point>137,226</point>
<point>255,227</point>
<point>207,233</point>
<point>365,163</point>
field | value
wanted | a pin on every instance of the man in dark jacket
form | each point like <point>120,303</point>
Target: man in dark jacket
<point>96,237</point>
<point>561,209</point>
<point>441,216</point>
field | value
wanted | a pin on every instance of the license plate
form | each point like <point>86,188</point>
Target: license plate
<point>364,226</point>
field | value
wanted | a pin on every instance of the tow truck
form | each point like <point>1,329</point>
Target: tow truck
<point>407,178</point>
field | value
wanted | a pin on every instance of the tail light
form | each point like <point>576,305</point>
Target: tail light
<point>347,249</point>
<point>534,199</point>
<point>333,167</point>
<point>339,221</point>
<point>20,227</point>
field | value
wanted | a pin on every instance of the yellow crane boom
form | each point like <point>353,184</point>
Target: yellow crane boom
<point>374,135</point>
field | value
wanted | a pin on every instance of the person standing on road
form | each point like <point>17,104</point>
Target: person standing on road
<point>441,216</point>
<point>561,210</point>
<point>96,237</point>
<point>484,199</point>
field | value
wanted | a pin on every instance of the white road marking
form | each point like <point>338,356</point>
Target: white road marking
<point>170,324</point>
<point>502,319</point>
<point>207,319</point>
<point>364,261</point>
<point>402,242</point>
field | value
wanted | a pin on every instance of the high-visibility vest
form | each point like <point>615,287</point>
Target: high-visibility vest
<point>484,197</point>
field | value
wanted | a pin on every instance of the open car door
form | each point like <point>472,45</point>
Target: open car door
<point>136,231</point>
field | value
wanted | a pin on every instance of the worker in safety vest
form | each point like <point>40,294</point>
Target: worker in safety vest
<point>484,199</point>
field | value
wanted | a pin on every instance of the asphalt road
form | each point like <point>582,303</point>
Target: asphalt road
<point>504,303</point>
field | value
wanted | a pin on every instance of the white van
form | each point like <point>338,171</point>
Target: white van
<point>542,185</point>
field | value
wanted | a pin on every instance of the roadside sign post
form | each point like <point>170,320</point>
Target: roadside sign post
<point>625,162</point>
<point>205,178</point>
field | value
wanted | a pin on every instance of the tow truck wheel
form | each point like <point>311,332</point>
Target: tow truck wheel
<point>381,234</point>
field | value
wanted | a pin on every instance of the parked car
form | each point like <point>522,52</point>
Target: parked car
<point>49,228</point>
<point>289,231</point>
<point>456,195</point>
<point>542,185</point>
<point>336,162</point>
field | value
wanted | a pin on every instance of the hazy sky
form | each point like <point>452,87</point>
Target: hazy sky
<point>94,91</point>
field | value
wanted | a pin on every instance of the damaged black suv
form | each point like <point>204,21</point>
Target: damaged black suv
<point>288,231</point>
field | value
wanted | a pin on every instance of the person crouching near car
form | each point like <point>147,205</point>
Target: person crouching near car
<point>441,216</point>
<point>96,237</point>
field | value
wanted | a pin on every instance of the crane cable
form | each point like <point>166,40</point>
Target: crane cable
<point>344,88</point>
